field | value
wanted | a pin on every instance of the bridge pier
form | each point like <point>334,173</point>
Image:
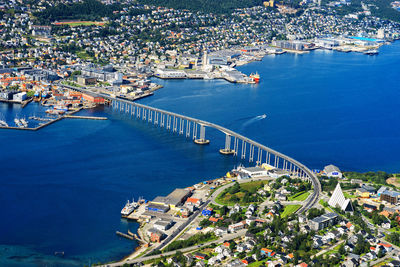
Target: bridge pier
<point>150,116</point>
<point>174,128</point>
<point>236,146</point>
<point>243,155</point>
<point>251,151</point>
<point>202,140</point>
<point>259,156</point>
<point>188,123</point>
<point>168,122</point>
<point>181,124</point>
<point>227,150</point>
<point>156,118</point>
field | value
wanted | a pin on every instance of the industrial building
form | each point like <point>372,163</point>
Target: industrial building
<point>163,225</point>
<point>255,172</point>
<point>174,199</point>
<point>157,208</point>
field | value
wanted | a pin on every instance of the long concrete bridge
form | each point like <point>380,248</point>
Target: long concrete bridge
<point>234,142</point>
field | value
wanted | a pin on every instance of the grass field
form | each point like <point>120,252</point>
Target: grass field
<point>289,209</point>
<point>301,196</point>
<point>83,55</point>
<point>348,195</point>
<point>252,186</point>
<point>225,199</point>
<point>80,23</point>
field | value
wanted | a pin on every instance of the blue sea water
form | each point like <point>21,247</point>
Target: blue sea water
<point>62,188</point>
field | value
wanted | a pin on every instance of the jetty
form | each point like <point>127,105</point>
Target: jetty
<point>124,235</point>
<point>85,117</point>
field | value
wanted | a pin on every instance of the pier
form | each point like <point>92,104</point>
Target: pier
<point>68,116</point>
<point>85,117</point>
<point>124,235</point>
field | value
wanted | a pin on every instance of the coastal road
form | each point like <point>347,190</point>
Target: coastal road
<point>183,250</point>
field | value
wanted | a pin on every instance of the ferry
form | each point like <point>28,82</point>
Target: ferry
<point>255,77</point>
<point>371,52</point>
<point>129,208</point>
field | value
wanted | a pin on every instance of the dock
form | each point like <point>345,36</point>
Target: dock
<point>70,116</point>
<point>85,117</point>
<point>124,235</point>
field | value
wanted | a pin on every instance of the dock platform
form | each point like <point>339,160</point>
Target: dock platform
<point>85,117</point>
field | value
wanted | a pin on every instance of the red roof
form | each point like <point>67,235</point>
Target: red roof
<point>192,200</point>
<point>226,244</point>
<point>303,264</point>
<point>266,250</point>
<point>213,219</point>
<point>385,245</point>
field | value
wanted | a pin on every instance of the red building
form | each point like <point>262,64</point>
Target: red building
<point>93,99</point>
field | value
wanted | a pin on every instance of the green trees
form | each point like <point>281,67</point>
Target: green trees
<point>314,212</point>
<point>86,10</point>
<point>394,238</point>
<point>191,241</point>
<point>207,6</point>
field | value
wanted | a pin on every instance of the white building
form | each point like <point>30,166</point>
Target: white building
<point>332,171</point>
<point>20,96</point>
<point>255,172</point>
<point>338,200</point>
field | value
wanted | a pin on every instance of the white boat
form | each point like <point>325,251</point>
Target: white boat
<point>24,122</point>
<point>208,77</point>
<point>129,208</point>
<point>18,122</point>
<point>3,123</point>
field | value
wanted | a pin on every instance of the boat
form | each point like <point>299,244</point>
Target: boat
<point>3,123</point>
<point>208,77</point>
<point>18,123</point>
<point>24,122</point>
<point>55,111</point>
<point>255,77</point>
<point>371,52</point>
<point>129,208</point>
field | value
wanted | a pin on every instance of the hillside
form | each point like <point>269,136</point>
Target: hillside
<point>207,6</point>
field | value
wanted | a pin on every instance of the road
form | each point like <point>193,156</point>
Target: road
<point>311,200</point>
<point>184,250</point>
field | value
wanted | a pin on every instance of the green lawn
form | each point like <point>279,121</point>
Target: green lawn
<point>289,209</point>
<point>225,198</point>
<point>348,195</point>
<point>257,263</point>
<point>252,186</point>
<point>301,196</point>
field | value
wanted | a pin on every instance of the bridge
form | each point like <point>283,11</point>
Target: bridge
<point>234,142</point>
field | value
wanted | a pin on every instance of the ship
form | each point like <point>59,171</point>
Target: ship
<point>371,52</point>
<point>255,77</point>
<point>129,208</point>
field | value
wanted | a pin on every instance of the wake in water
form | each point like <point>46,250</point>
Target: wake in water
<point>253,120</point>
